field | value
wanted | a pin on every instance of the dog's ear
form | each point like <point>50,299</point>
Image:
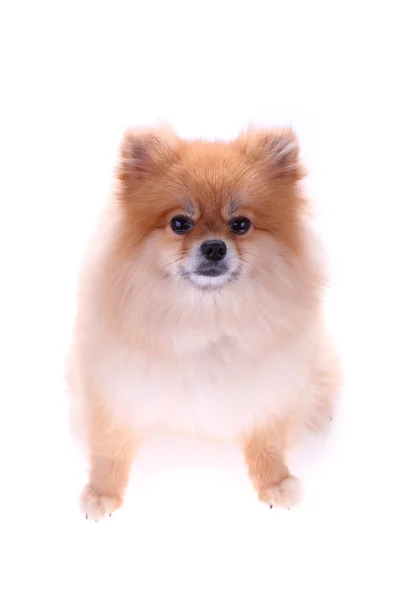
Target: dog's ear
<point>277,150</point>
<point>143,153</point>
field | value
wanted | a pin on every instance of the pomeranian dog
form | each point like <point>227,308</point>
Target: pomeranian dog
<point>200,310</point>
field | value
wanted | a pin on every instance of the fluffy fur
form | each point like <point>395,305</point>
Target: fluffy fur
<point>242,356</point>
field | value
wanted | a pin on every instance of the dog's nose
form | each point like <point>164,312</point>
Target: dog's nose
<point>213,249</point>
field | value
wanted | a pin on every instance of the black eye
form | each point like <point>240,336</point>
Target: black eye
<point>181,224</point>
<point>240,226</point>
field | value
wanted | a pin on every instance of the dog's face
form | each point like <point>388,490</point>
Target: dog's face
<point>211,215</point>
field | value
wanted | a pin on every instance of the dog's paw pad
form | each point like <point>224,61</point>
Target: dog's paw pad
<point>96,506</point>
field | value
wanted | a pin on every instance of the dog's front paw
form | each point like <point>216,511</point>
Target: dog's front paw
<point>287,493</point>
<point>320,418</point>
<point>96,506</point>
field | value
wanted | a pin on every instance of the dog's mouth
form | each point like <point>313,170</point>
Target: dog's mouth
<point>206,270</point>
<point>209,277</point>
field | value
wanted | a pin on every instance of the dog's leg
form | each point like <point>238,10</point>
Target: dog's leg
<point>264,455</point>
<point>326,382</point>
<point>112,451</point>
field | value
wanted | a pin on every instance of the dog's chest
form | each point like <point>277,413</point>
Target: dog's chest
<point>218,394</point>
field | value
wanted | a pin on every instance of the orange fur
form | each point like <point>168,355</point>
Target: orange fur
<point>159,347</point>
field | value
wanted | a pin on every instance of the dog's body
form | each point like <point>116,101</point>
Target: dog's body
<point>209,322</point>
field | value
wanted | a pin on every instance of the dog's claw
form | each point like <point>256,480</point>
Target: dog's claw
<point>86,517</point>
<point>271,506</point>
<point>110,515</point>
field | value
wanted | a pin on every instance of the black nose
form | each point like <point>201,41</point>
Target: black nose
<point>213,249</point>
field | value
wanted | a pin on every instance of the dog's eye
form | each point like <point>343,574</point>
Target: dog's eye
<point>181,224</point>
<point>240,226</point>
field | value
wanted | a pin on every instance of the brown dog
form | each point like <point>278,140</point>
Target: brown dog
<point>200,310</point>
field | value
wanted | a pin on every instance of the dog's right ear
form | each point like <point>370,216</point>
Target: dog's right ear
<point>143,153</point>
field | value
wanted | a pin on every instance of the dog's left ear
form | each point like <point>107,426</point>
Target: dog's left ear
<point>278,151</point>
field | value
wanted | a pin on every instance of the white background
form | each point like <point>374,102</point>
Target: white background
<point>73,75</point>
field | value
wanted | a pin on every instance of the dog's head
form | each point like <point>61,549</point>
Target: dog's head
<point>211,210</point>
